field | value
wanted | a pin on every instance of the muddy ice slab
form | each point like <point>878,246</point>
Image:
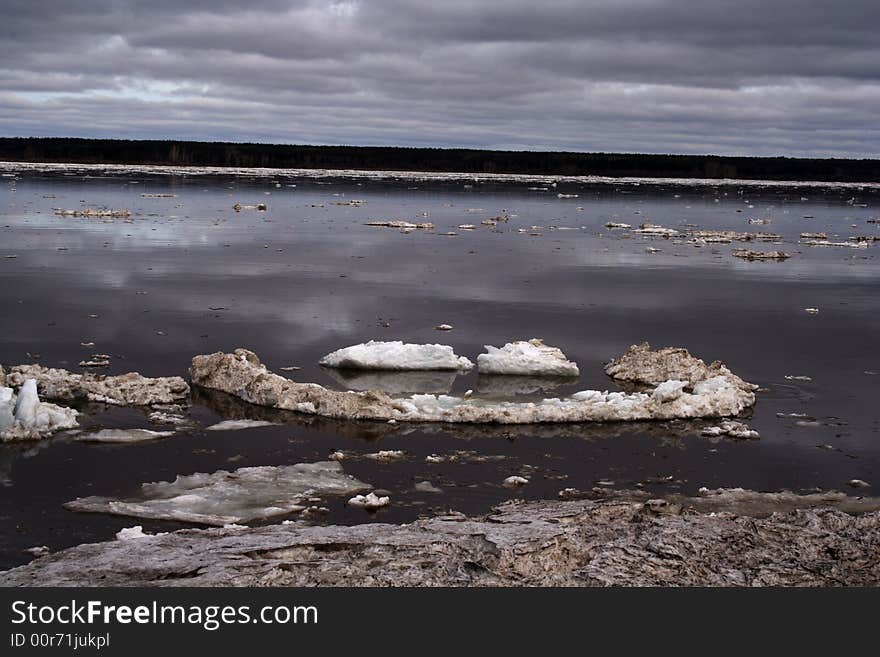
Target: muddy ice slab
<point>646,366</point>
<point>549,543</point>
<point>526,357</point>
<point>129,389</point>
<point>396,355</point>
<point>693,391</point>
<point>25,417</point>
<point>224,498</point>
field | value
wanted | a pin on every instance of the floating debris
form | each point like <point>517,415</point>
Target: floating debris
<point>91,212</point>
<point>648,228</point>
<point>515,482</point>
<point>811,311</point>
<point>387,455</point>
<point>746,254</point>
<point>94,362</point>
<point>443,327</point>
<point>401,224</point>
<point>732,429</point>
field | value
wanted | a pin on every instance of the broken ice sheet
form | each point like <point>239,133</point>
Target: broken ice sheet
<point>235,425</point>
<point>223,497</point>
<point>122,436</point>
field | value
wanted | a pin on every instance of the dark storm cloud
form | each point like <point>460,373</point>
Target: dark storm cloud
<point>783,77</point>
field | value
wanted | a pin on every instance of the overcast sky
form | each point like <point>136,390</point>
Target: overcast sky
<point>751,77</point>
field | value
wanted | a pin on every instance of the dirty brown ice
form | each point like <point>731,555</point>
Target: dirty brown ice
<point>722,538</point>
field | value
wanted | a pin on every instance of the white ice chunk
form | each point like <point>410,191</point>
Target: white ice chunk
<point>234,425</point>
<point>370,501</point>
<point>136,532</point>
<point>530,357</point>
<point>396,355</point>
<point>31,418</point>
<point>225,497</point>
<point>27,404</point>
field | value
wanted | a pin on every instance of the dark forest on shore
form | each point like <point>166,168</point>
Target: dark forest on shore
<point>224,154</point>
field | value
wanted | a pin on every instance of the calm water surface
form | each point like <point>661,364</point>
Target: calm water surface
<point>188,275</point>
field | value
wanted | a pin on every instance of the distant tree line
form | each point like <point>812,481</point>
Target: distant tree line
<point>223,154</point>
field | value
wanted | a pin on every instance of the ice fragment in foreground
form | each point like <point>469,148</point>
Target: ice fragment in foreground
<point>225,497</point>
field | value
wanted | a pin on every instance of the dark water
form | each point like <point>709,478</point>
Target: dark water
<point>189,275</point>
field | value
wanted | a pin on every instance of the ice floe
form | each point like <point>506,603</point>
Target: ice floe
<point>711,391</point>
<point>732,429</point>
<point>747,254</point>
<point>225,497</point>
<point>530,357</point>
<point>129,389</point>
<point>235,425</point>
<point>122,436</point>
<point>25,417</point>
<point>396,355</point>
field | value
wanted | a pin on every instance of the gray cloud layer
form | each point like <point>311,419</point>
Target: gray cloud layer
<point>794,77</point>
